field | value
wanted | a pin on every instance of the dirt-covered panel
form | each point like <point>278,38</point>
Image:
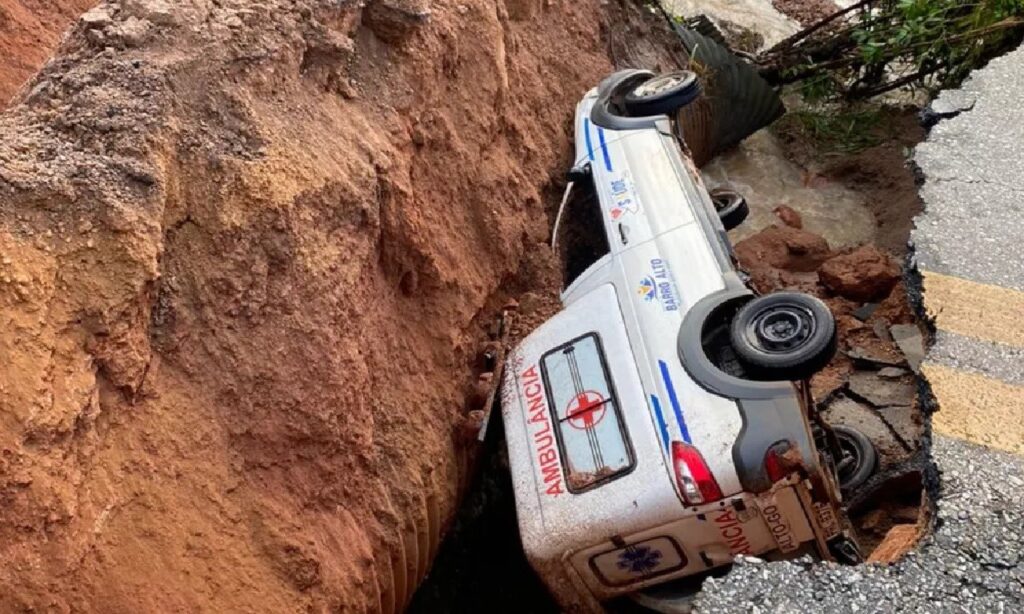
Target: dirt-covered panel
<point>246,251</point>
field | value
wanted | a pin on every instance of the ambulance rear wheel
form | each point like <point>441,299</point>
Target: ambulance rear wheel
<point>731,207</point>
<point>784,336</point>
<point>858,457</point>
<point>662,94</point>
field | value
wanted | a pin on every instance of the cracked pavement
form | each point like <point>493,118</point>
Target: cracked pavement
<point>967,249</point>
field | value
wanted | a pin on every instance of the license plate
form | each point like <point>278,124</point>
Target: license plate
<point>778,525</point>
<point>827,519</point>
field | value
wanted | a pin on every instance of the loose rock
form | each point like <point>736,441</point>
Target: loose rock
<point>865,311</point>
<point>395,20</point>
<point>155,11</point>
<point>891,373</point>
<point>132,31</point>
<point>788,216</point>
<point>911,343</point>
<point>872,360</point>
<point>783,247</point>
<point>881,392</point>
<point>864,274</point>
<point>98,17</point>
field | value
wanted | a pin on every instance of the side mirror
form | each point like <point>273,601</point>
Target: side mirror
<point>579,172</point>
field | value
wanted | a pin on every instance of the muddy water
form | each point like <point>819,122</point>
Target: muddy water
<point>757,15</point>
<point>759,169</point>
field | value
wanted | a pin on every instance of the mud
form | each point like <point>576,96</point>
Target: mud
<point>806,12</point>
<point>761,169</point>
<point>879,174</point>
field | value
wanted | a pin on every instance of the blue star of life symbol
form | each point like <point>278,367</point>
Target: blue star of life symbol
<point>639,559</point>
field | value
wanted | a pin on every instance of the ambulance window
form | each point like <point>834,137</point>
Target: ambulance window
<point>590,431</point>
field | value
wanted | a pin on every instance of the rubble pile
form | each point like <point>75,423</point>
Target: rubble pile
<point>871,384</point>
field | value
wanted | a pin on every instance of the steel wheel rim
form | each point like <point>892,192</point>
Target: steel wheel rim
<point>725,202</point>
<point>781,328</point>
<point>849,450</point>
<point>658,85</point>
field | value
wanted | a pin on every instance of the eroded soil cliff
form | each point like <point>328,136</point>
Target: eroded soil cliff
<point>249,251</point>
<point>29,31</point>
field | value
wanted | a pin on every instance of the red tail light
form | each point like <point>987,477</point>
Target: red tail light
<point>693,476</point>
<point>775,463</point>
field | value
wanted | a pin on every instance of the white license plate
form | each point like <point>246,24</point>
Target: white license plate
<point>827,519</point>
<point>779,525</point>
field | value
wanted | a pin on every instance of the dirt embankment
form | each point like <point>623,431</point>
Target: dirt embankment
<point>248,252</point>
<point>29,31</point>
<point>879,172</point>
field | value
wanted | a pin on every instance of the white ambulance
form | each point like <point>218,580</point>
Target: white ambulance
<point>653,426</point>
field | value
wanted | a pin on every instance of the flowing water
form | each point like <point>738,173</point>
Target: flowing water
<point>757,15</point>
<point>759,170</point>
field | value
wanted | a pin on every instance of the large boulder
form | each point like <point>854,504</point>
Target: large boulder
<point>783,247</point>
<point>864,274</point>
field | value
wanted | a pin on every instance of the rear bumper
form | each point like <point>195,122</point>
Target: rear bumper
<point>773,525</point>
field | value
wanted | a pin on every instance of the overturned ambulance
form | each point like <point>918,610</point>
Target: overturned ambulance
<point>659,425</point>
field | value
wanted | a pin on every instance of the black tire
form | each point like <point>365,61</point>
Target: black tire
<point>662,94</point>
<point>859,458</point>
<point>784,336</point>
<point>731,207</point>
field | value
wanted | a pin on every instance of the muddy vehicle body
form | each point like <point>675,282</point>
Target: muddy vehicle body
<point>654,428</point>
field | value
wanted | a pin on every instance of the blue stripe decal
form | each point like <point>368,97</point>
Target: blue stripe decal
<point>586,136</point>
<point>674,400</point>
<point>661,421</point>
<point>604,149</point>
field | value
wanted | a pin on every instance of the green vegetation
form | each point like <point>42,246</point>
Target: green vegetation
<point>878,45</point>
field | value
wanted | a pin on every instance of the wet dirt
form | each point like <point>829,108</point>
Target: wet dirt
<point>879,174</point>
<point>806,12</point>
<point>29,32</point>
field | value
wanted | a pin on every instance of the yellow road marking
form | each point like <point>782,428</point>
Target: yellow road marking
<point>977,408</point>
<point>974,309</point>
